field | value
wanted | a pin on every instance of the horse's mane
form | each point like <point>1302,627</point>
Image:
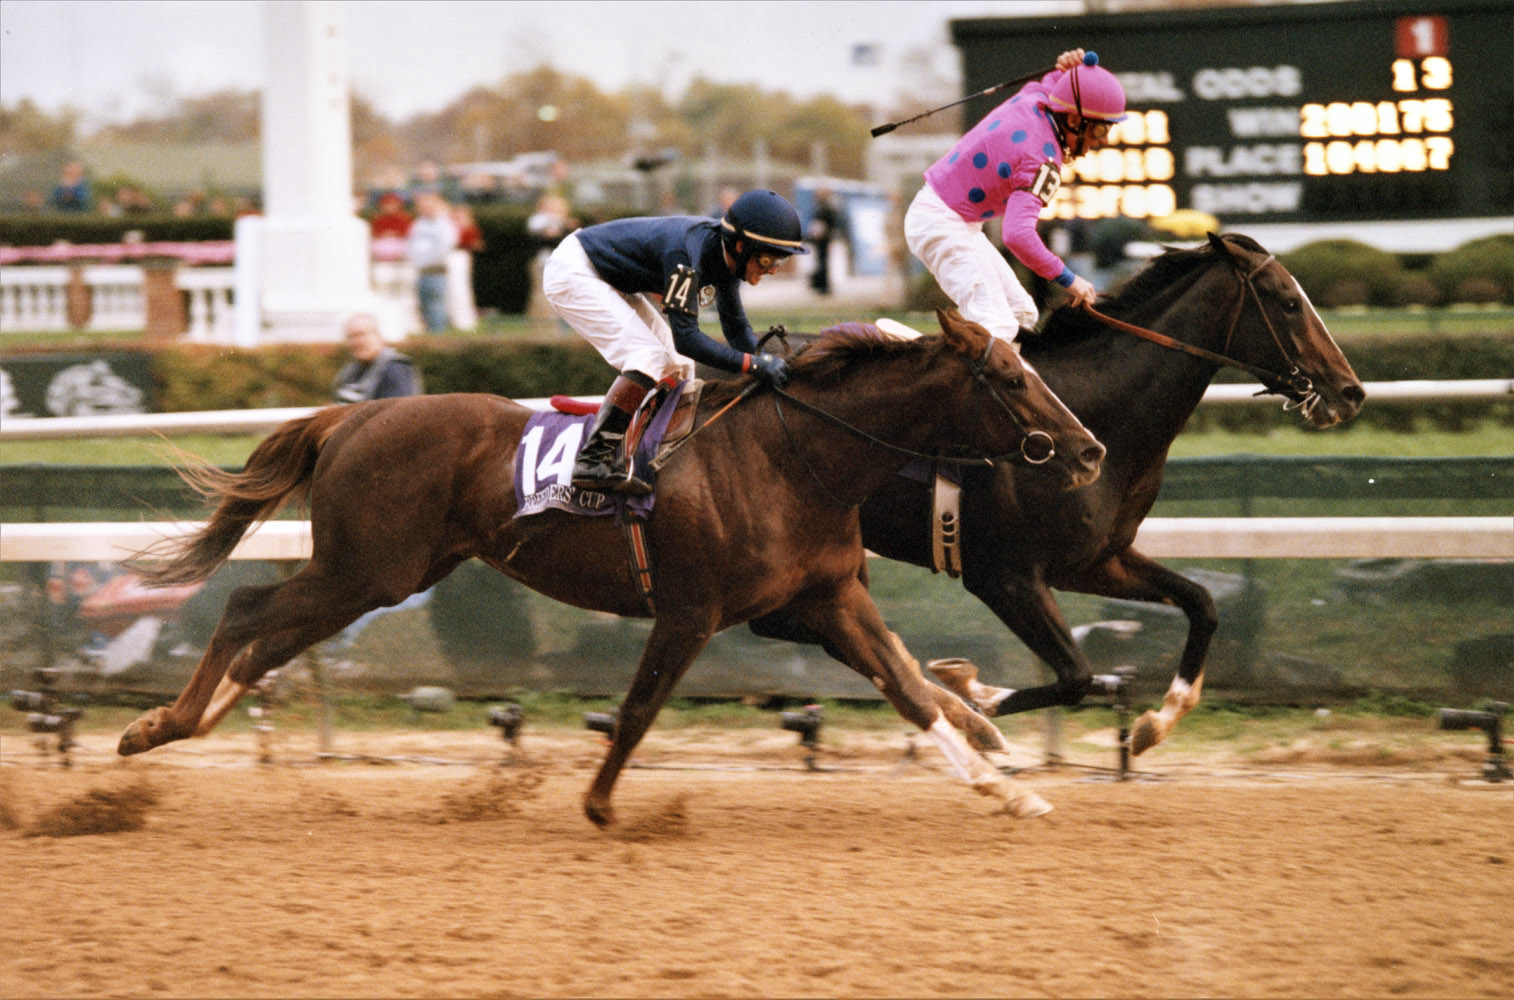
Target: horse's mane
<point>1173,266</point>
<point>845,345</point>
<point>835,351</point>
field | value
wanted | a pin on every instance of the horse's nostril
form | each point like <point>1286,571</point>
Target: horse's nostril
<point>1093,454</point>
<point>1354,394</point>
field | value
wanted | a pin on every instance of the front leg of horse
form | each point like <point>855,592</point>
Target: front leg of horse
<point>1136,577</point>
<point>668,653</point>
<point>853,627</point>
<point>1029,609</point>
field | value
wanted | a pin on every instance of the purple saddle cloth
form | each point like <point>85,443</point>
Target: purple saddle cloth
<point>544,464</point>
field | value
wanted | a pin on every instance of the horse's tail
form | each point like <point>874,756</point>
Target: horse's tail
<point>282,465</point>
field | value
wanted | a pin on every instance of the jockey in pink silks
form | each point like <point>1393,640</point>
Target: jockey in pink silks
<point>1009,167</point>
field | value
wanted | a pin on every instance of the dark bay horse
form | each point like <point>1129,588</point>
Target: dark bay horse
<point>757,513</point>
<point>1021,535</point>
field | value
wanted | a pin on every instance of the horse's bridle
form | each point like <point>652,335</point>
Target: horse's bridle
<point>1032,442</point>
<point>1293,383</point>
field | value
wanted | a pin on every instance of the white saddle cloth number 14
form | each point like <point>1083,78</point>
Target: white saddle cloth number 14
<point>556,466</point>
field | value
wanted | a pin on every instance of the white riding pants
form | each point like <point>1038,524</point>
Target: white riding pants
<point>628,330</point>
<point>969,269</point>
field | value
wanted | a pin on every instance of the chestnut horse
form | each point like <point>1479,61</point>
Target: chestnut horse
<point>1228,301</point>
<point>756,512</point>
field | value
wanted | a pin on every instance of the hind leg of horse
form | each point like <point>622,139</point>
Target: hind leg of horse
<point>1136,577</point>
<point>854,629</point>
<point>981,734</point>
<point>261,628</point>
<point>669,651</point>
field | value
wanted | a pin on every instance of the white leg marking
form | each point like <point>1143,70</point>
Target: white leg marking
<point>968,764</point>
<point>1180,699</point>
<point>981,775</point>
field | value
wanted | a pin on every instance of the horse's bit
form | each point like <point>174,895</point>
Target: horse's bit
<point>1292,383</point>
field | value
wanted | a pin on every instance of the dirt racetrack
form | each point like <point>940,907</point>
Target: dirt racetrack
<point>737,873</point>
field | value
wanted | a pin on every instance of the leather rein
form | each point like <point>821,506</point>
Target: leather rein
<point>1032,455</point>
<point>1292,383</point>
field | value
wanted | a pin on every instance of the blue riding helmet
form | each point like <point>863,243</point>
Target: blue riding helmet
<point>763,222</point>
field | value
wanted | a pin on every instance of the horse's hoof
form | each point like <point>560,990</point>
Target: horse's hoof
<point>1145,735</point>
<point>1027,805</point>
<point>600,814</point>
<point>955,674</point>
<point>136,739</point>
<point>144,734</point>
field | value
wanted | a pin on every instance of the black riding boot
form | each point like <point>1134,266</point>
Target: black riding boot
<point>602,465</point>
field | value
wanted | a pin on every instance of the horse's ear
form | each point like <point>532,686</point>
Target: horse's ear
<point>1218,243</point>
<point>959,332</point>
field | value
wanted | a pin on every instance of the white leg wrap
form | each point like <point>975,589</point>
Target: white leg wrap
<point>981,775</point>
<point>968,763</point>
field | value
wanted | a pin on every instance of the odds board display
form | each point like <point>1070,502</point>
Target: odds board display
<point>1390,109</point>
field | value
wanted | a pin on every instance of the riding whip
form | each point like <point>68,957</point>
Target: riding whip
<point>1090,59</point>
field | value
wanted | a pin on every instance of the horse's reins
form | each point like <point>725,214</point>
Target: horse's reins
<point>1292,381</point>
<point>980,378</point>
<point>1026,436</point>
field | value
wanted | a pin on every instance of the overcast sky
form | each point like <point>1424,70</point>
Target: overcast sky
<point>115,59</point>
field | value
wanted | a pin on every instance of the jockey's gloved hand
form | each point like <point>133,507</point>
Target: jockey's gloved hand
<point>770,369</point>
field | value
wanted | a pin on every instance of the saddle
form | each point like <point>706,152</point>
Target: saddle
<point>550,443</point>
<point>679,425</point>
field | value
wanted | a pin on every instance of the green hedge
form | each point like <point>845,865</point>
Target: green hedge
<point>201,377</point>
<point>1339,273</point>
<point>1397,359</point>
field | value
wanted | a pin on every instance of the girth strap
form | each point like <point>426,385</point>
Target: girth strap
<point>641,560</point>
<point>946,526</point>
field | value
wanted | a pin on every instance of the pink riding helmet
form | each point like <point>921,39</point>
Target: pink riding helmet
<point>1091,91</point>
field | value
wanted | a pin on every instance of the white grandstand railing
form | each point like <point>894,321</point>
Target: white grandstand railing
<point>1159,537</point>
<point>263,421</point>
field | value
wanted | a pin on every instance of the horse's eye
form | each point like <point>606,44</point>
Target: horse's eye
<point>1290,304</point>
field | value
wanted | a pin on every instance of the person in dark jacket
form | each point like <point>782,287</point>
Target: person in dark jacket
<point>601,282</point>
<point>376,370</point>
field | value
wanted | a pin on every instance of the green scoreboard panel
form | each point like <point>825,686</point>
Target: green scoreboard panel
<point>1298,113</point>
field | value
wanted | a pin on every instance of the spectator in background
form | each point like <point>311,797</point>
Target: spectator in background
<point>429,179</point>
<point>389,180</point>
<point>432,237</point>
<point>461,305</point>
<point>376,370</point>
<point>552,220</point>
<point>825,225</point>
<point>391,221</point>
<point>72,193</point>
<point>469,236</point>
